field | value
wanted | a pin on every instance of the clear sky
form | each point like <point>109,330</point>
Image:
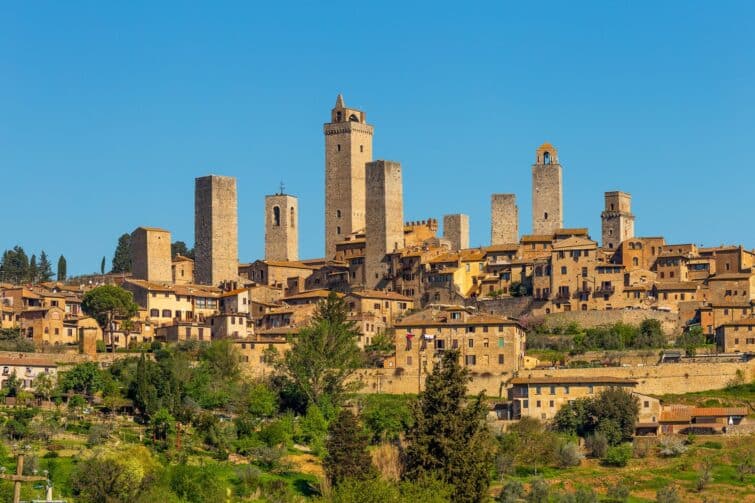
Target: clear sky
<point>109,110</point>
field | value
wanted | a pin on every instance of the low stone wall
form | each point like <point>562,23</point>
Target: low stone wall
<point>68,359</point>
<point>588,319</point>
<point>652,379</point>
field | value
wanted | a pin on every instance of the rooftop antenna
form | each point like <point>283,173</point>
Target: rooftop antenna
<point>282,188</point>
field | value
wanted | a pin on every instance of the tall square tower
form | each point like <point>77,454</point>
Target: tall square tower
<point>504,219</point>
<point>216,248</point>
<point>281,227</point>
<point>456,230</point>
<point>385,219</point>
<point>348,147</point>
<point>150,255</point>
<point>617,219</point>
<point>547,191</point>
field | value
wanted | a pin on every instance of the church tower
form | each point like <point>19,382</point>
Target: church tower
<point>348,147</point>
<point>617,219</point>
<point>281,227</point>
<point>547,191</point>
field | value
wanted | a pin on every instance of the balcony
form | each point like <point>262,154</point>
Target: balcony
<point>605,290</point>
<point>562,295</point>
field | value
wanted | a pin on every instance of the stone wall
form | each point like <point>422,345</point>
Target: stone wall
<point>652,379</point>
<point>385,219</point>
<point>587,319</point>
<point>512,307</point>
<point>281,227</point>
<point>504,219</point>
<point>150,255</point>
<point>547,196</point>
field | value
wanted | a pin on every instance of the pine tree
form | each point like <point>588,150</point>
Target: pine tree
<point>44,272</point>
<point>33,271</point>
<point>62,268</point>
<point>347,456</point>
<point>102,266</point>
<point>122,255</point>
<point>449,438</point>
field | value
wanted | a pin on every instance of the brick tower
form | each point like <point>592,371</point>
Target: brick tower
<point>150,255</point>
<point>216,256</point>
<point>504,219</point>
<point>348,147</point>
<point>385,219</point>
<point>456,230</point>
<point>547,191</point>
<point>281,227</point>
<point>617,219</point>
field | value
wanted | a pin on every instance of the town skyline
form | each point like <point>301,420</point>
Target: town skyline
<point>130,129</point>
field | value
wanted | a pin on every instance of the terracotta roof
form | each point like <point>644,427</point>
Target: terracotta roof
<point>538,238</point>
<point>577,231</point>
<point>572,380</point>
<point>676,285</point>
<point>233,293</point>
<point>748,322</point>
<point>446,257</point>
<point>434,317</point>
<point>23,360</point>
<point>730,276</point>
<point>320,293</point>
<point>503,247</point>
<point>289,264</point>
<point>677,414</point>
<point>378,294</point>
<point>471,254</point>
<point>574,242</point>
<point>181,258</point>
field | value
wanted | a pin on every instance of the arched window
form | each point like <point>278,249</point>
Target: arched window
<point>338,213</point>
<point>338,230</point>
<point>339,116</point>
<point>292,221</point>
<point>546,157</point>
<point>276,216</point>
<point>635,261</point>
<point>611,206</point>
<point>353,118</point>
<point>545,215</point>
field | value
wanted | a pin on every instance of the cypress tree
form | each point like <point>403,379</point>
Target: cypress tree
<point>122,255</point>
<point>33,271</point>
<point>347,456</point>
<point>102,265</point>
<point>449,438</point>
<point>62,268</point>
<point>44,272</point>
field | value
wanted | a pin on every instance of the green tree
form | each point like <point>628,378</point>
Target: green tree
<point>180,248</point>
<point>612,412</point>
<point>162,424</point>
<point>114,475</point>
<point>347,450</point>
<point>108,303</point>
<point>197,484</point>
<point>62,268</point>
<point>84,378</point>
<point>102,265</point>
<point>44,271</point>
<point>122,255</point>
<point>14,267</point>
<point>33,273</point>
<point>324,354</point>
<point>691,339</point>
<point>651,335</point>
<point>449,437</point>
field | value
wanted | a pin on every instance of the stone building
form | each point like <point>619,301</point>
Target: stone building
<point>385,219</point>
<point>183,270</point>
<point>150,255</point>
<point>547,191</point>
<point>456,230</point>
<point>216,256</point>
<point>281,227</point>
<point>348,147</point>
<point>617,219</point>
<point>504,219</point>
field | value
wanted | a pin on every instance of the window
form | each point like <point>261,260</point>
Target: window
<point>553,390</point>
<point>470,343</point>
<point>646,404</point>
<point>155,313</point>
<point>563,269</point>
<point>166,313</point>
<point>292,221</point>
<point>409,361</point>
<point>525,404</point>
<point>338,213</point>
<point>471,360</point>
<point>552,404</point>
<point>361,148</point>
<point>538,403</point>
<point>538,390</point>
<point>500,359</point>
<point>485,343</point>
<point>338,229</point>
<point>276,216</point>
<point>590,389</point>
<point>338,147</point>
<point>500,342</point>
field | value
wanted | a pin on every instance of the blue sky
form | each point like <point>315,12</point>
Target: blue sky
<point>109,110</point>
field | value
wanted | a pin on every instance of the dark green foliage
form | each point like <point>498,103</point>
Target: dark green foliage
<point>386,416</point>
<point>180,248</point>
<point>44,269</point>
<point>613,412</point>
<point>324,354</point>
<point>691,339</point>
<point>616,337</point>
<point>618,455</point>
<point>539,491</point>
<point>102,265</point>
<point>527,443</point>
<point>374,490</point>
<point>14,267</point>
<point>86,378</point>
<point>347,456</point>
<point>512,492</point>
<point>197,484</point>
<point>33,273</point>
<point>108,303</point>
<point>449,437</point>
<point>12,340</point>
<point>122,255</point>
<point>62,268</point>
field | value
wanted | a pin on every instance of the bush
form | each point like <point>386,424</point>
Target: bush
<point>618,455</point>
<point>197,484</point>
<point>597,445</point>
<point>710,444</point>
<point>512,492</point>
<point>672,447</point>
<point>617,493</point>
<point>667,494</point>
<point>641,447</point>
<point>569,455</point>
<point>51,454</point>
<point>539,491</point>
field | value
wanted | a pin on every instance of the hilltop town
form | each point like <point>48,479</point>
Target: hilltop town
<point>538,320</point>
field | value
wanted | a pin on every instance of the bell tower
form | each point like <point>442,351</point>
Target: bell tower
<point>348,148</point>
<point>547,191</point>
<point>617,219</point>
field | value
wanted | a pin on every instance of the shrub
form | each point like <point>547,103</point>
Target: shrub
<point>51,454</point>
<point>539,491</point>
<point>710,444</point>
<point>618,492</point>
<point>667,494</point>
<point>618,455</point>
<point>596,445</point>
<point>641,447</point>
<point>569,455</point>
<point>705,475</point>
<point>672,447</point>
<point>512,492</point>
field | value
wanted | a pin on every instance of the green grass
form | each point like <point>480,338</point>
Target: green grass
<point>731,396</point>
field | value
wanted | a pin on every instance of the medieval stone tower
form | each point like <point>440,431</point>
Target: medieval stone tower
<point>150,255</point>
<point>617,219</point>
<point>504,219</point>
<point>547,191</point>
<point>281,227</point>
<point>385,219</point>
<point>348,147</point>
<point>456,230</point>
<point>216,246</point>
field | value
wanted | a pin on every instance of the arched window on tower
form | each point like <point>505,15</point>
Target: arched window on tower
<point>635,261</point>
<point>276,216</point>
<point>339,116</point>
<point>546,157</point>
<point>338,213</point>
<point>353,118</point>
<point>292,221</point>
<point>545,216</point>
